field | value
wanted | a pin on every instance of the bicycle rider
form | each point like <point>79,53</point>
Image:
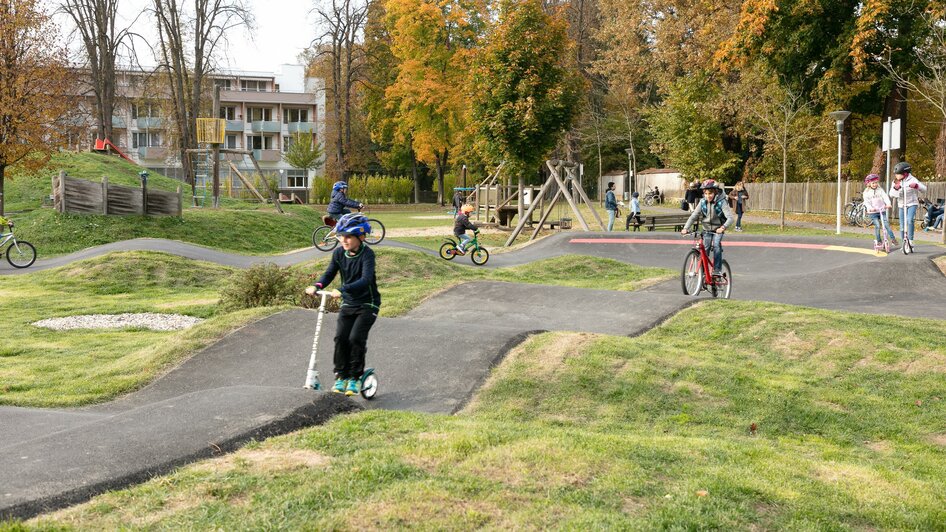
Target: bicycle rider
<point>338,206</point>
<point>716,216</point>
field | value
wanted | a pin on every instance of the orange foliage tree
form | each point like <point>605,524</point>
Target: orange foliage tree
<point>33,84</point>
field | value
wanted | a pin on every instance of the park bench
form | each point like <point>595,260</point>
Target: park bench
<point>660,221</point>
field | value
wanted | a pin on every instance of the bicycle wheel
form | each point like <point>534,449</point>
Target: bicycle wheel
<point>377,232</point>
<point>447,251</point>
<point>849,213</point>
<point>321,238</point>
<point>691,278</point>
<point>21,254</point>
<point>863,219</point>
<point>479,256</point>
<point>723,286</point>
<point>649,201</point>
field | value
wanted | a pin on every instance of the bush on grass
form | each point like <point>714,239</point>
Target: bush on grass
<point>266,285</point>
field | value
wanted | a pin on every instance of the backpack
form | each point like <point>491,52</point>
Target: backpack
<point>717,205</point>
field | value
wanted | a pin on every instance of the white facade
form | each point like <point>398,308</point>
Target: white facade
<point>264,110</point>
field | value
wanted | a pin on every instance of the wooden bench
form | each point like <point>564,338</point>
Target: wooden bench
<point>661,221</point>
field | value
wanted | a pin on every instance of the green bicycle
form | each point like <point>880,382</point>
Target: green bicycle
<point>450,249</point>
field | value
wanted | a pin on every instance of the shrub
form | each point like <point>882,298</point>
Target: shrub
<point>369,189</point>
<point>265,285</point>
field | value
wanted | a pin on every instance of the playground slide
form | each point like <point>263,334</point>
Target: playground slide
<point>101,144</point>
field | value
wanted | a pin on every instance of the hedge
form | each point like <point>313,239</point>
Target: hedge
<point>367,189</point>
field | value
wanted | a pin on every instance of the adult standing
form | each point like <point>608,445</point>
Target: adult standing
<point>610,205</point>
<point>457,201</point>
<point>906,189</point>
<point>693,194</point>
<point>738,197</point>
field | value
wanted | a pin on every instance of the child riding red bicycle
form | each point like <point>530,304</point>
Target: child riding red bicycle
<point>714,213</point>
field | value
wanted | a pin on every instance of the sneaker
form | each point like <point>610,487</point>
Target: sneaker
<point>738,229</point>
<point>339,386</point>
<point>352,387</point>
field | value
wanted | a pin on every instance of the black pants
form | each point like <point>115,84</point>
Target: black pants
<point>635,216</point>
<point>351,340</point>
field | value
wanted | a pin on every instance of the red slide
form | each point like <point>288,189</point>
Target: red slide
<point>101,144</point>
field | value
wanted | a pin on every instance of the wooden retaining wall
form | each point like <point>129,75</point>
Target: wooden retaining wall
<point>79,196</point>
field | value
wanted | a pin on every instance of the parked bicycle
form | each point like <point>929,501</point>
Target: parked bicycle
<point>325,239</point>
<point>651,197</point>
<point>20,254</point>
<point>856,212</point>
<point>451,248</point>
<point>697,272</point>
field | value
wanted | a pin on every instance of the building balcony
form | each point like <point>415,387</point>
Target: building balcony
<point>265,126</point>
<point>269,156</point>
<point>235,126</point>
<point>150,123</point>
<point>118,122</point>
<point>152,152</point>
<point>301,127</point>
<point>290,98</point>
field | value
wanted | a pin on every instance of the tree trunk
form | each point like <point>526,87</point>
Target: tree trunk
<point>441,160</point>
<point>940,157</point>
<point>3,169</point>
<point>895,106</point>
<point>784,183</point>
<point>414,175</point>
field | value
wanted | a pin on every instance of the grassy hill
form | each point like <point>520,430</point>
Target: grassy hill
<point>777,417</point>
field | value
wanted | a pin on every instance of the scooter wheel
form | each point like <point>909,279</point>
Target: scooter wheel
<point>369,385</point>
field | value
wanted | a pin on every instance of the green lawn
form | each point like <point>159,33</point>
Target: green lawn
<point>39,367</point>
<point>775,417</point>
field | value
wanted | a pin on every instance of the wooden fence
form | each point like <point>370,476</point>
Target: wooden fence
<point>816,198</point>
<point>79,196</point>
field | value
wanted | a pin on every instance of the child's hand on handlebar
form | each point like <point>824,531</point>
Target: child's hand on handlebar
<point>684,232</point>
<point>311,290</point>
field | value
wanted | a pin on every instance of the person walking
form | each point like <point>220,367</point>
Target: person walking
<point>693,194</point>
<point>610,205</point>
<point>738,197</point>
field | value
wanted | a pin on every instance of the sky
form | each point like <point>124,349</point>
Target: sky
<point>284,28</point>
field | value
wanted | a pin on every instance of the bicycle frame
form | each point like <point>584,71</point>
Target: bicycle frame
<point>705,260</point>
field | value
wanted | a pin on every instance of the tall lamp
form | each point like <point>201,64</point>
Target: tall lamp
<point>630,175</point>
<point>839,117</point>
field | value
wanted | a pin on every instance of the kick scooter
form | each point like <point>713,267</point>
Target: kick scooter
<point>883,233</point>
<point>367,384</point>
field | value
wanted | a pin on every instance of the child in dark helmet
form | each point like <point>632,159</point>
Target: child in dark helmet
<point>716,216</point>
<point>906,189</point>
<point>361,300</point>
<point>338,206</point>
<point>634,213</point>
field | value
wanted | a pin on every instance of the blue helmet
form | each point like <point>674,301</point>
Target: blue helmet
<point>339,185</point>
<point>353,223</point>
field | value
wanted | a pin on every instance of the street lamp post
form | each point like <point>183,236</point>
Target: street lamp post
<point>630,175</point>
<point>839,117</point>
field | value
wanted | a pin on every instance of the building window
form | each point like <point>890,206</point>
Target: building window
<point>228,113</point>
<point>286,142</point>
<point>295,115</point>
<point>231,142</point>
<point>297,178</point>
<point>252,85</point>
<point>143,110</point>
<point>224,84</point>
<point>145,140</point>
<point>260,142</point>
<point>257,114</point>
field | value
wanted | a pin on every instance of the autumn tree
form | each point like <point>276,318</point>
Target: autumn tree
<point>34,87</point>
<point>524,93</point>
<point>189,42</point>
<point>97,26</point>
<point>432,42</point>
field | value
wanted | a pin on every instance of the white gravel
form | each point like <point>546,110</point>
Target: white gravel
<point>147,320</point>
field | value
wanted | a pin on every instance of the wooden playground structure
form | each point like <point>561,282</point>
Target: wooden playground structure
<point>496,201</point>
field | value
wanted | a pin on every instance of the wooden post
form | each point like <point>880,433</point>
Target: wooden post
<point>526,216</point>
<point>144,197</point>
<point>807,195</point>
<point>62,191</point>
<point>545,215</point>
<point>570,199</point>
<point>104,194</point>
<point>180,202</point>
<point>216,151</point>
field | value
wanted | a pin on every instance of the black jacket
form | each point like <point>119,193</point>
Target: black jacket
<point>461,224</point>
<point>359,287</point>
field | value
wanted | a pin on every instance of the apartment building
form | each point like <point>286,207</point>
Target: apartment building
<point>263,112</point>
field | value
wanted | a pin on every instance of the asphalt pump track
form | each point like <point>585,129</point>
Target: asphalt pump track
<point>249,384</point>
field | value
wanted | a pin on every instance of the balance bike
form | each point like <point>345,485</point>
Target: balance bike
<point>367,384</point>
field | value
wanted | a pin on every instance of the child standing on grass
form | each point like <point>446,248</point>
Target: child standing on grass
<point>877,202</point>
<point>361,300</point>
<point>460,226</point>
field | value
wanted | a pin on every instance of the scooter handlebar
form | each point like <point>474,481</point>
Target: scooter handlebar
<point>329,293</point>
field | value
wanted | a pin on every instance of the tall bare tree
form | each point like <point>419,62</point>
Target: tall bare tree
<point>188,45</point>
<point>95,22</point>
<point>34,86</point>
<point>342,24</point>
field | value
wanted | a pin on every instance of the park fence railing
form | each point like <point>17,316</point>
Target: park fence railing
<point>817,198</point>
<point>79,196</point>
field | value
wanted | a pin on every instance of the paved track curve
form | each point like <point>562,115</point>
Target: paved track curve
<point>248,385</point>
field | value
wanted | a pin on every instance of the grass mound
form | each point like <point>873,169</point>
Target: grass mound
<point>776,417</point>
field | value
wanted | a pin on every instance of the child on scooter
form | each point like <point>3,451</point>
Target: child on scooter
<point>460,226</point>
<point>877,202</point>
<point>360,300</point>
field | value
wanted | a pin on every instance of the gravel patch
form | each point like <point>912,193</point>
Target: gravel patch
<point>146,320</point>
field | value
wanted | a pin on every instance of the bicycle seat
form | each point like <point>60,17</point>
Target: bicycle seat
<point>328,220</point>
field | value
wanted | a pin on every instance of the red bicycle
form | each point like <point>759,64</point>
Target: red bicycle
<point>698,275</point>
